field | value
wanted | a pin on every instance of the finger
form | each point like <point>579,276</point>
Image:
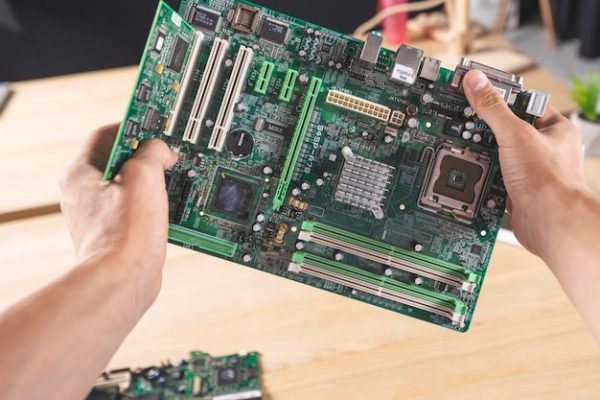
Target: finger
<point>551,117</point>
<point>97,148</point>
<point>489,104</point>
<point>156,152</point>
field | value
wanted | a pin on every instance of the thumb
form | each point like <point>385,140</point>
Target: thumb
<point>156,152</point>
<point>489,104</point>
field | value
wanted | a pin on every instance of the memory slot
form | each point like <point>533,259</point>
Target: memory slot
<point>186,83</point>
<point>211,74</point>
<point>381,286</point>
<point>389,255</point>
<point>232,96</point>
<point>300,130</point>
<point>202,241</point>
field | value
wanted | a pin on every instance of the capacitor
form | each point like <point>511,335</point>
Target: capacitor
<point>267,170</point>
<point>469,125</point>
<point>192,173</point>
<point>427,98</point>
<point>310,31</point>
<point>295,192</point>
<point>418,247</point>
<point>247,257</point>
<point>418,281</point>
<point>405,137</point>
<point>411,109</point>
<point>491,203</point>
<point>477,138</point>
<point>228,63</point>
<point>413,123</point>
<point>260,217</point>
<point>302,53</point>
<point>365,134</point>
<point>331,63</point>
<point>320,182</point>
<point>388,272</point>
<point>299,245</point>
<point>468,112</point>
<point>388,139</point>
<point>305,186</point>
<point>467,135</point>
<point>241,107</point>
<point>338,66</point>
<point>338,256</point>
<point>209,123</point>
<point>256,227</point>
<point>303,79</point>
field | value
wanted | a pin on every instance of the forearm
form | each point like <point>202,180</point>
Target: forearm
<point>68,331</point>
<point>572,250</point>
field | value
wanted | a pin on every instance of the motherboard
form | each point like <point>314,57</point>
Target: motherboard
<point>201,376</point>
<point>321,158</point>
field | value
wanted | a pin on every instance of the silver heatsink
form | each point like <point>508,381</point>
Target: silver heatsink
<point>363,183</point>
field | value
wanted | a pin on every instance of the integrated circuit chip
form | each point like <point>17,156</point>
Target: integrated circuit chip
<point>153,121</point>
<point>277,128</point>
<point>206,19</point>
<point>227,376</point>
<point>455,182</point>
<point>274,31</point>
<point>143,93</point>
<point>132,128</point>
<point>177,57</point>
<point>245,18</point>
<point>159,42</point>
<point>234,197</point>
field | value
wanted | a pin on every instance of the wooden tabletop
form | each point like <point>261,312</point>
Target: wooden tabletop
<point>526,341</point>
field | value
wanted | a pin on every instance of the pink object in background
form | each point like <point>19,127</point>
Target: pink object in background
<point>394,27</point>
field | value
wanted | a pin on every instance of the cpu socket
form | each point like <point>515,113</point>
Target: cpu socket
<point>455,181</point>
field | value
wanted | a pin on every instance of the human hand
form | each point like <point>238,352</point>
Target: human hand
<point>542,166</point>
<point>124,221</point>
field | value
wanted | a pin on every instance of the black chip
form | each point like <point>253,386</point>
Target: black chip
<point>153,121</point>
<point>326,48</point>
<point>206,19</point>
<point>227,376</point>
<point>476,249</point>
<point>178,54</point>
<point>132,128</point>
<point>159,42</point>
<point>143,93</point>
<point>274,31</point>
<point>454,128</point>
<point>488,139</point>
<point>276,128</point>
<point>234,197</point>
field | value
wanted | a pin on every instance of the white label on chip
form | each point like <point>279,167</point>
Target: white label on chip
<point>176,19</point>
<point>404,74</point>
<point>160,41</point>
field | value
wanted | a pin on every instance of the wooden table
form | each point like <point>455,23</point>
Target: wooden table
<point>527,341</point>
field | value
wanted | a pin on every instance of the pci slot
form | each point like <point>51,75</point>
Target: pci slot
<point>297,141</point>
<point>389,255</point>
<point>202,241</point>
<point>358,105</point>
<point>264,77</point>
<point>289,82</point>
<point>206,89</point>
<point>435,303</point>
<point>186,83</point>
<point>232,96</point>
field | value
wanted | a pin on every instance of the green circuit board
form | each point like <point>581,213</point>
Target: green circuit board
<point>201,376</point>
<point>315,156</point>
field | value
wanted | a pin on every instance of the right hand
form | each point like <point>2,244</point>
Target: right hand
<point>542,166</point>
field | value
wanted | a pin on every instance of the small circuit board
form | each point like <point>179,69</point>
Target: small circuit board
<point>230,377</point>
<point>315,156</point>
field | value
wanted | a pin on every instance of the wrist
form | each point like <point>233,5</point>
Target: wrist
<point>566,215</point>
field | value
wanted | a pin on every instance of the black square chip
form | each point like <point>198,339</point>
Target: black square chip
<point>178,54</point>
<point>206,19</point>
<point>234,197</point>
<point>274,31</point>
<point>227,376</point>
<point>143,93</point>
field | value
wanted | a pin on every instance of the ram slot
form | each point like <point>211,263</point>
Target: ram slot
<point>205,90</point>
<point>232,96</point>
<point>186,83</point>
<point>297,141</point>
<point>389,255</point>
<point>432,302</point>
<point>202,241</point>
